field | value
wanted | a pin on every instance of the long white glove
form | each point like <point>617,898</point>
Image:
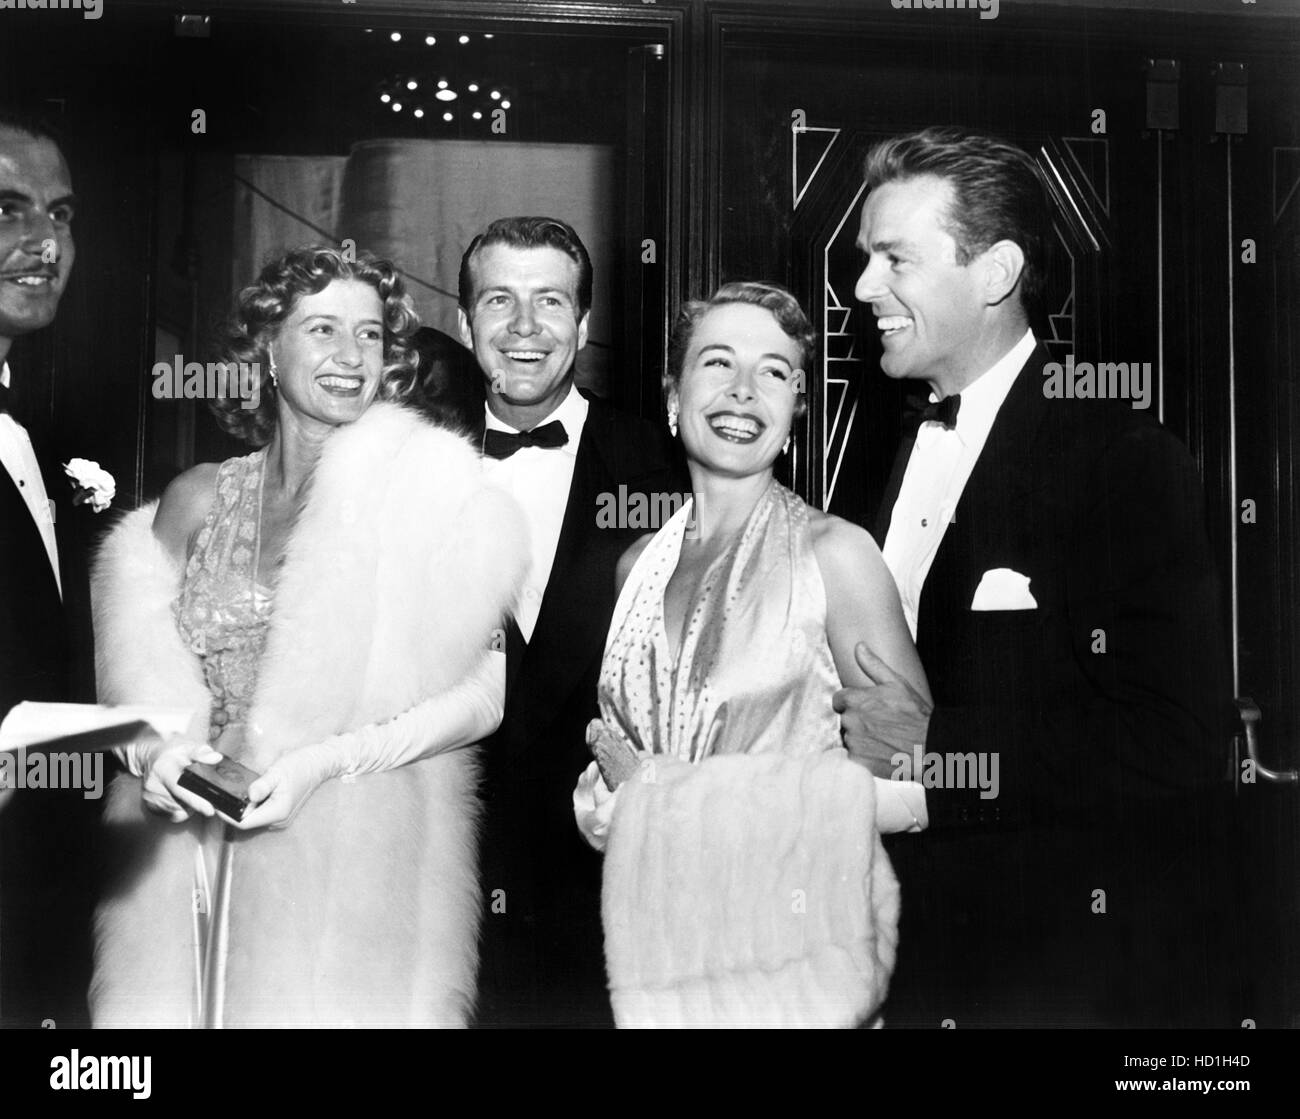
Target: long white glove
<point>458,717</point>
<point>463,714</point>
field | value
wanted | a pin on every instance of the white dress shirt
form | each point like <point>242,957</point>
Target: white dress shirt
<point>20,462</point>
<point>937,471</point>
<point>539,479</point>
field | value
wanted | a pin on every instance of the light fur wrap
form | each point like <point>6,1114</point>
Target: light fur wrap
<point>364,911</point>
<point>748,890</point>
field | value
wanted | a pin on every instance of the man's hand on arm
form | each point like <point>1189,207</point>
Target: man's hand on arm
<point>887,718</point>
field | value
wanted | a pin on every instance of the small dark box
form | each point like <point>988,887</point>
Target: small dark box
<point>224,785</point>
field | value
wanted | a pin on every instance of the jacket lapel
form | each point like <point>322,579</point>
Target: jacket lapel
<point>22,537</point>
<point>571,625</point>
<point>910,426</point>
<point>999,489</point>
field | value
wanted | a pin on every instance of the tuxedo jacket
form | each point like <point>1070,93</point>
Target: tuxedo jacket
<point>1105,707</point>
<point>542,958</point>
<point>46,836</point>
<point>35,644</point>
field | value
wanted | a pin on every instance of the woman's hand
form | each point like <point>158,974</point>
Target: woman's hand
<point>615,756</point>
<point>167,761</point>
<point>277,796</point>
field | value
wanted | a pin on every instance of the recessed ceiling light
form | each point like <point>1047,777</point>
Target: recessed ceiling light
<point>495,95</point>
<point>463,40</point>
<point>446,95</point>
<point>397,106</point>
<point>396,36</point>
<point>412,84</point>
<point>385,97</point>
<point>487,36</point>
<point>505,104</point>
<point>477,115</point>
<point>419,114</point>
<point>429,40</point>
<point>472,87</point>
<point>442,83</point>
<point>448,116</point>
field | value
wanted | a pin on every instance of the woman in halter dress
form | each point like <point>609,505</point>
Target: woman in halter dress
<point>744,882</point>
<point>328,605</point>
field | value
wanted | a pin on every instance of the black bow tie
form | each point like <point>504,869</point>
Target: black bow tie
<point>503,444</point>
<point>942,411</point>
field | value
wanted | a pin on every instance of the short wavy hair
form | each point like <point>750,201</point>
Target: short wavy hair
<point>262,308</point>
<point>998,194</point>
<point>784,307</point>
<point>528,233</point>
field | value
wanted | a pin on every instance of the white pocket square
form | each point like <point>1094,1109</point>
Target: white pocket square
<point>1003,589</point>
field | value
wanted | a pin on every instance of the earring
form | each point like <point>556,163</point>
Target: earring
<point>786,449</point>
<point>672,419</point>
<point>275,380</point>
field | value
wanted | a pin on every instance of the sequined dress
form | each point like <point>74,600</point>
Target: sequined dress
<point>712,855</point>
<point>222,612</point>
<point>223,615</point>
<point>754,673</point>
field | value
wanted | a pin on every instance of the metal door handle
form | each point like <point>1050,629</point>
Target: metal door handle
<point>1251,717</point>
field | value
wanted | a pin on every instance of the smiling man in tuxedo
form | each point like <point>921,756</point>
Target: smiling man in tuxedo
<point>1053,564</point>
<point>36,255</point>
<point>45,871</point>
<point>525,298</point>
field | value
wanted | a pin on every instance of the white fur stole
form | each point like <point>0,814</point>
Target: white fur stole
<point>748,890</point>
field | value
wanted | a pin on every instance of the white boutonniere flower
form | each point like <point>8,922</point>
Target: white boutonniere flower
<point>94,484</point>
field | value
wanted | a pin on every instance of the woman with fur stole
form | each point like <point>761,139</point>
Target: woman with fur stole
<point>744,882</point>
<point>330,605</point>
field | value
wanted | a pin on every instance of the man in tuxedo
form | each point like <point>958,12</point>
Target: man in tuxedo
<point>44,867</point>
<point>36,255</point>
<point>1053,564</point>
<point>525,297</point>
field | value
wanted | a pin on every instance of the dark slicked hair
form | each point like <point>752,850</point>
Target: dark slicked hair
<point>262,308</point>
<point>528,233</point>
<point>998,194</point>
<point>783,306</point>
<point>29,124</point>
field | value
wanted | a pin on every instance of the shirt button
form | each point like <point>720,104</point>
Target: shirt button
<point>925,523</point>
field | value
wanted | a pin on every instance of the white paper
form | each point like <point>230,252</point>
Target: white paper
<point>30,724</point>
